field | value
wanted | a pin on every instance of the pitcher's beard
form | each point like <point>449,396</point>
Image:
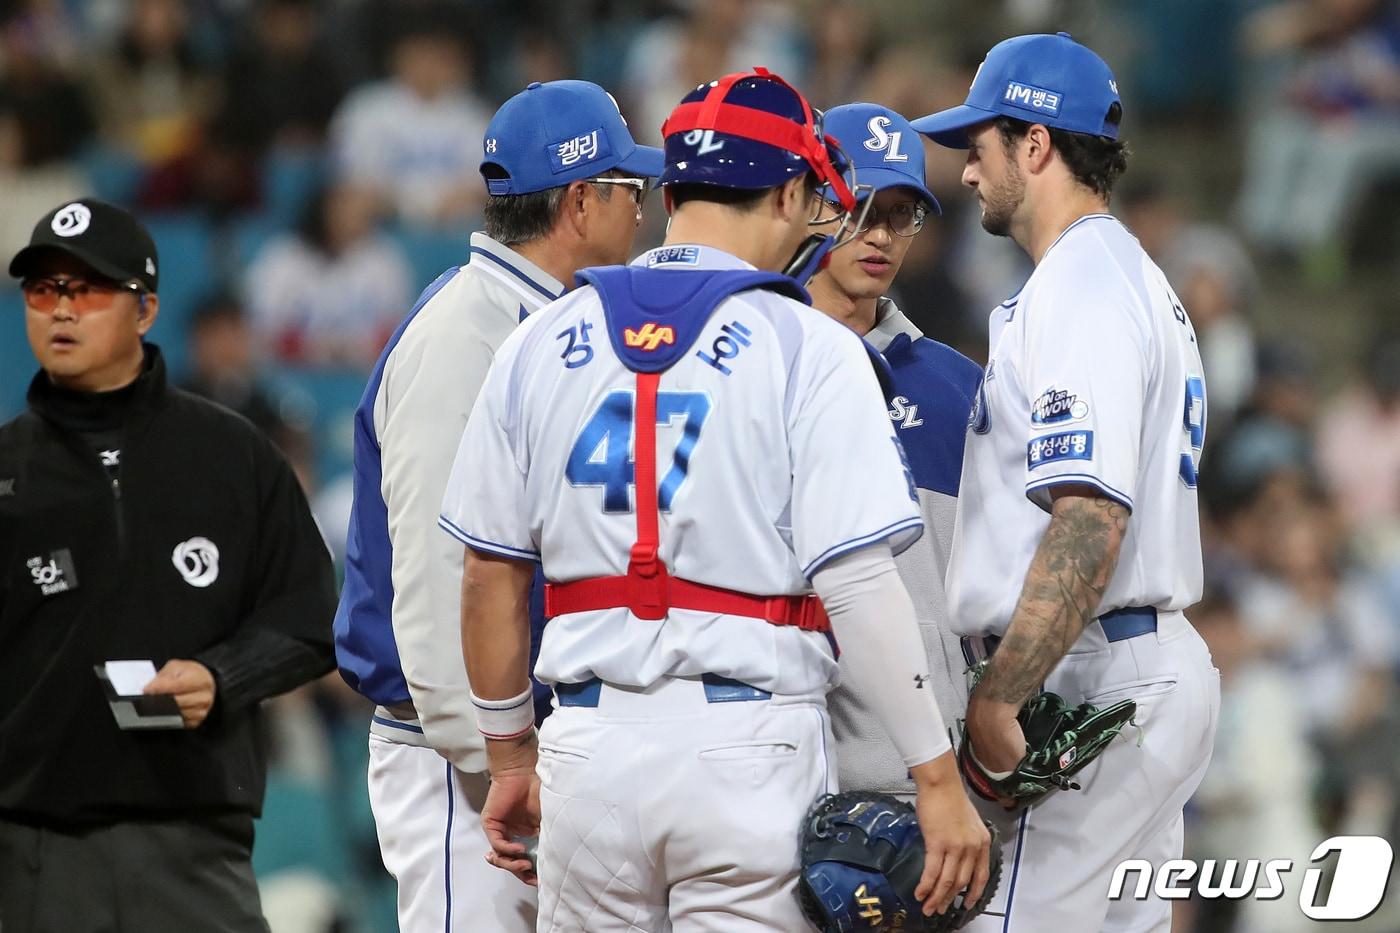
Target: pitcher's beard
<point>999,204</point>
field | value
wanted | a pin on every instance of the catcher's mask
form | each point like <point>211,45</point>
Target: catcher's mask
<point>751,131</point>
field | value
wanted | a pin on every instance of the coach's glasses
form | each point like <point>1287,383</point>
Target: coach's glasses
<point>639,188</point>
<point>904,219</point>
<point>43,294</point>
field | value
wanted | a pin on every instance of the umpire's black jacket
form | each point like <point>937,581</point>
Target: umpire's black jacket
<point>112,509</point>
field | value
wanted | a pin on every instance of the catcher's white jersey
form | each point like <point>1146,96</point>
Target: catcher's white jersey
<point>774,455</point>
<point>1094,377</point>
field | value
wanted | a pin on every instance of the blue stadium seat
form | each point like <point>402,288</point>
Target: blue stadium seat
<point>329,398</point>
<point>17,364</point>
<point>250,234</point>
<point>290,178</point>
<point>298,828</point>
<point>114,174</point>
<point>187,275</point>
<point>432,253</point>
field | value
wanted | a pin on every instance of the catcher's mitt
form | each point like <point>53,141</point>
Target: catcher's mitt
<point>862,856</point>
<point>1061,740</point>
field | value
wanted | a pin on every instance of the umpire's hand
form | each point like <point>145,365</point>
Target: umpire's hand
<point>956,843</point>
<point>192,686</point>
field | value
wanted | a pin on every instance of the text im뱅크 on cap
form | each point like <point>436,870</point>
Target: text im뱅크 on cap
<point>1046,79</point>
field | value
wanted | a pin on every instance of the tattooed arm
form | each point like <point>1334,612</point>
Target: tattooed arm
<point>1065,583</point>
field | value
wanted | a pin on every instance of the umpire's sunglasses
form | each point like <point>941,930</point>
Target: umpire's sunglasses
<point>43,294</point>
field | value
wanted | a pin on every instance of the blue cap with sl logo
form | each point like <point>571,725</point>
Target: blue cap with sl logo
<point>884,146</point>
<point>1045,79</point>
<point>552,134</point>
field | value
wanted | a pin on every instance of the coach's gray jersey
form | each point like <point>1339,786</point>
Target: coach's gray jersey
<point>431,379</point>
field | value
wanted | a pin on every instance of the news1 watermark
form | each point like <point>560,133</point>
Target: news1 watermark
<point>1359,879</point>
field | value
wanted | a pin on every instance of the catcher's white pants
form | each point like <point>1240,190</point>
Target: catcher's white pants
<point>663,811</point>
<point>1059,855</point>
<point>428,817</point>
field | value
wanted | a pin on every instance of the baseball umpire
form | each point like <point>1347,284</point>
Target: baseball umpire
<point>1077,543</point>
<point>722,452</point>
<point>565,183</point>
<point>137,522</point>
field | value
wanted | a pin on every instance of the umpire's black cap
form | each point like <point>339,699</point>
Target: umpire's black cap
<point>104,236</point>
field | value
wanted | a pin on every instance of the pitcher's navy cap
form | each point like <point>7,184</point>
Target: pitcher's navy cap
<point>1045,79</point>
<point>551,134</point>
<point>885,148</point>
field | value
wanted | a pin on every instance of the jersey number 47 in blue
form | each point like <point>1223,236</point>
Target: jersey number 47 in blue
<point>602,454</point>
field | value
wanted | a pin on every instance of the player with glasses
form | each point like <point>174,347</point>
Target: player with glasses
<point>553,159</point>
<point>637,187</point>
<point>931,393</point>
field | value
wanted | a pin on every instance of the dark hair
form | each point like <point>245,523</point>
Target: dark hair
<point>220,305</point>
<point>741,199</point>
<point>1096,162</point>
<point>512,219</point>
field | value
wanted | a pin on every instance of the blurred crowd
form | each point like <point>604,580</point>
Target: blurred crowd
<point>308,166</point>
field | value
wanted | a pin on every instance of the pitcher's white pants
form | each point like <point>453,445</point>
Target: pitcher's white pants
<point>1059,855</point>
<point>428,817</point>
<point>663,811</point>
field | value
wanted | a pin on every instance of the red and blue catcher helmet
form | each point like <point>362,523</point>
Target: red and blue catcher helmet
<point>750,131</point>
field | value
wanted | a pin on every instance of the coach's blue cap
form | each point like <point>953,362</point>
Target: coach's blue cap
<point>1051,80</point>
<point>551,134</point>
<point>885,148</point>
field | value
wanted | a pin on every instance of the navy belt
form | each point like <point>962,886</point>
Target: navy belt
<point>717,690</point>
<point>1118,625</point>
<point>1130,622</point>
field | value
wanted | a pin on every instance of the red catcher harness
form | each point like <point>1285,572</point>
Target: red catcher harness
<point>648,590</point>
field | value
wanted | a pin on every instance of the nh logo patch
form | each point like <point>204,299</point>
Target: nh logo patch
<point>649,337</point>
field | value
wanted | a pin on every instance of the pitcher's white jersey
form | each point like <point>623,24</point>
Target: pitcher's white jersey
<point>774,455</point>
<point>1094,377</point>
